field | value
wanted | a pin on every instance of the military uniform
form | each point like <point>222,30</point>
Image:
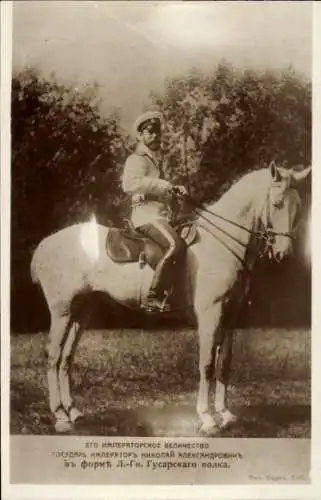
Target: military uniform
<point>141,180</point>
<point>150,212</point>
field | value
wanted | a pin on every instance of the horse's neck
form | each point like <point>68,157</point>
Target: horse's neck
<point>235,210</point>
<point>236,214</point>
<point>246,196</point>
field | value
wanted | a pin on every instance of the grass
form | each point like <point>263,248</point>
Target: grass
<point>144,383</point>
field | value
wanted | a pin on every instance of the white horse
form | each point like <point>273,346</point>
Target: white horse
<point>259,209</point>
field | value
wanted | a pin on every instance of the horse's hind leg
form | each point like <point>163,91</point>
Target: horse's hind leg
<point>60,325</point>
<point>65,367</point>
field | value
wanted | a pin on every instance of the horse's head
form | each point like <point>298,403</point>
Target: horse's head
<point>281,210</point>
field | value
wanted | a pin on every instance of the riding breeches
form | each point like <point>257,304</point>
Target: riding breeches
<point>174,247</point>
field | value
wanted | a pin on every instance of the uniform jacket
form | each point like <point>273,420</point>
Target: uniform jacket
<point>141,180</point>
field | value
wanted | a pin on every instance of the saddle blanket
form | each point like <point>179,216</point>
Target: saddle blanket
<point>129,245</point>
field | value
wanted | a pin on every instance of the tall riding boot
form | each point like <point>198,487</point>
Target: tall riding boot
<point>156,298</point>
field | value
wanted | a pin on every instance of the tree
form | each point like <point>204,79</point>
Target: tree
<point>220,126</point>
<point>66,162</point>
<point>65,157</point>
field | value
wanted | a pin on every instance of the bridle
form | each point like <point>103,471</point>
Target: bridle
<point>268,234</point>
<point>265,237</point>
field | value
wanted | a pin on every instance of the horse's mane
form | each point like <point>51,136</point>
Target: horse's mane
<point>252,187</point>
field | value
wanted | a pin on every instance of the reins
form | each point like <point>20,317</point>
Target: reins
<point>261,234</point>
<point>199,211</point>
<point>266,235</point>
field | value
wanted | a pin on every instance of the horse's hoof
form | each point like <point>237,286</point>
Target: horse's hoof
<point>63,426</point>
<point>75,414</point>
<point>226,419</point>
<point>62,421</point>
<point>209,430</point>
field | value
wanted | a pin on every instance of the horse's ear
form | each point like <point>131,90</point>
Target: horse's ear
<point>301,175</point>
<point>275,174</point>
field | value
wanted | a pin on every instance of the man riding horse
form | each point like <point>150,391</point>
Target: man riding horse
<point>150,196</point>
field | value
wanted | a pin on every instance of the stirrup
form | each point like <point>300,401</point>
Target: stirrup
<point>154,304</point>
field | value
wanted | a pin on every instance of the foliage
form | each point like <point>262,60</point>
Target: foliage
<point>222,125</point>
<point>66,162</point>
<point>65,157</point>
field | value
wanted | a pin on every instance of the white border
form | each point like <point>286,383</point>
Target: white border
<point>158,492</point>
<point>5,198</point>
<point>315,236</point>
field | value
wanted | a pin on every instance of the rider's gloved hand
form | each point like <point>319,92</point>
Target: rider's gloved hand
<point>180,191</point>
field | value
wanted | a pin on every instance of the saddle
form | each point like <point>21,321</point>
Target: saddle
<point>129,245</point>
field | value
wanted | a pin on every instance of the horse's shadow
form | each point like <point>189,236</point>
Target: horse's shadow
<point>141,422</point>
<point>260,421</point>
<point>272,421</point>
<point>255,422</point>
<point>114,422</point>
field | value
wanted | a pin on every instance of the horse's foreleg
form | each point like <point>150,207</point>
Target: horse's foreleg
<point>209,321</point>
<point>58,330</point>
<point>222,371</point>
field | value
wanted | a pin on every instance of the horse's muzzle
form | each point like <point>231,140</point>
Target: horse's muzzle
<point>280,254</point>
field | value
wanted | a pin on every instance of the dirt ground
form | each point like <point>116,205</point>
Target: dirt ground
<point>144,383</point>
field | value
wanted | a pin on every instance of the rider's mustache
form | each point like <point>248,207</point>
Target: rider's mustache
<point>155,142</point>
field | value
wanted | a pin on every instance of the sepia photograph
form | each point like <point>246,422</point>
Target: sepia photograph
<point>160,269</point>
